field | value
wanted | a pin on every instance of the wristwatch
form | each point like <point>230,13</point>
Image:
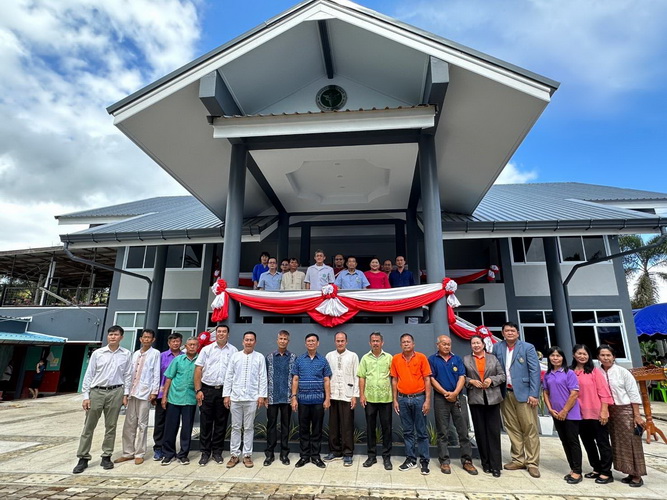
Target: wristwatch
<point>198,391</point>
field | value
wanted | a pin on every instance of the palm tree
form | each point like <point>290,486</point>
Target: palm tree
<point>646,267</point>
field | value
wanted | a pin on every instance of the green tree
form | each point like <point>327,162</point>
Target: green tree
<point>644,267</point>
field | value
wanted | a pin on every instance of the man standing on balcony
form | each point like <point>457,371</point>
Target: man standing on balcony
<point>352,279</point>
<point>411,387</point>
<point>401,276</point>
<point>209,377</point>
<point>339,264</point>
<point>270,280</point>
<point>319,274</point>
<point>174,341</point>
<point>106,386</point>
<point>293,280</point>
<point>344,393</point>
<point>143,392</point>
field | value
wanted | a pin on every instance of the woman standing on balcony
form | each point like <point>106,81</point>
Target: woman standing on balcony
<point>625,422</point>
<point>375,277</point>
<point>594,400</point>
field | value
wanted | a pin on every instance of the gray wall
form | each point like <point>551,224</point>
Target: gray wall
<point>77,324</point>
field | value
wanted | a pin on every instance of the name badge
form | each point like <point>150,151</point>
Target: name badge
<point>455,368</point>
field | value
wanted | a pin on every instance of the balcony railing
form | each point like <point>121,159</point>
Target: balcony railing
<point>15,296</point>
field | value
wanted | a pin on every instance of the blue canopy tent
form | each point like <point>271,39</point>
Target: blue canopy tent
<point>651,322</point>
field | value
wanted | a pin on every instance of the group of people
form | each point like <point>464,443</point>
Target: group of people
<point>586,403</point>
<point>266,275</point>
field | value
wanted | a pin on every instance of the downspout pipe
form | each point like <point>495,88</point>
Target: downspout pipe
<point>661,240</point>
<point>92,263</point>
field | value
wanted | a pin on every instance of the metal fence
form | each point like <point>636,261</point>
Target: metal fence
<point>32,296</point>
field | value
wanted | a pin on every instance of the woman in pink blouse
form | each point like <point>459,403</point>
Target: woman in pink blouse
<point>594,399</point>
<point>375,277</point>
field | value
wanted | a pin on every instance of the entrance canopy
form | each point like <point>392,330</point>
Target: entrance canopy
<point>330,99</point>
<point>651,321</point>
<point>30,338</point>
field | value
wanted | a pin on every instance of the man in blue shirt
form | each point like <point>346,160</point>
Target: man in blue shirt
<point>270,280</point>
<point>352,279</point>
<point>401,276</point>
<point>311,395</point>
<point>448,378</point>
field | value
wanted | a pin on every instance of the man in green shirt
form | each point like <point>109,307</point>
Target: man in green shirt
<point>180,402</point>
<point>376,398</point>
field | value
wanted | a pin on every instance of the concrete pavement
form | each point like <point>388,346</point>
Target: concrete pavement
<point>38,441</point>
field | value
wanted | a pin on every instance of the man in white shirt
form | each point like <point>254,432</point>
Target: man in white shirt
<point>210,369</point>
<point>293,280</point>
<point>344,393</point>
<point>143,392</point>
<point>245,390</point>
<point>105,387</point>
<point>319,274</point>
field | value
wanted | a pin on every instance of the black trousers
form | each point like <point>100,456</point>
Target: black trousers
<point>213,421</point>
<point>158,427</point>
<point>443,411</point>
<point>595,438</point>
<point>341,428</point>
<point>175,414</point>
<point>568,432</point>
<point>383,412</point>
<point>284,410</point>
<point>311,418</point>
<point>486,420</point>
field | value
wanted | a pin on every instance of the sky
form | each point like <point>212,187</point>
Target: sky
<point>62,63</point>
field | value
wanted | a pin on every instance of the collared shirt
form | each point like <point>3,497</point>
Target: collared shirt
<point>344,381</point>
<point>213,360</point>
<point>593,391</point>
<point>351,281</point>
<point>623,385</point>
<point>377,280</point>
<point>376,371</point>
<point>480,364</point>
<point>410,374</point>
<point>258,270</point>
<point>270,282</point>
<point>181,371</point>
<point>145,373</point>
<point>318,276</point>
<point>509,352</point>
<point>559,383</point>
<point>311,373</point>
<point>279,381</point>
<point>397,279</point>
<point>246,377</point>
<point>447,371</point>
<point>107,368</point>
<point>292,280</point>
<point>165,360</point>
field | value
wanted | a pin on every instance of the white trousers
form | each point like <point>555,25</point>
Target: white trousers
<point>243,416</point>
<point>135,428</point>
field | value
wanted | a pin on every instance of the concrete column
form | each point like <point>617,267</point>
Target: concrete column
<point>433,248</point>
<point>413,234</point>
<point>155,297</point>
<point>231,250</point>
<point>399,231</point>
<point>283,237</point>
<point>304,251</point>
<point>559,305</point>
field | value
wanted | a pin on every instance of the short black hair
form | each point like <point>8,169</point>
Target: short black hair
<point>149,331</point>
<point>308,335</point>
<point>175,335</point>
<point>263,254</point>
<point>511,324</point>
<point>588,365</point>
<point>553,349</point>
<point>407,335</point>
<point>375,334</point>
<point>250,333</point>
<point>116,328</point>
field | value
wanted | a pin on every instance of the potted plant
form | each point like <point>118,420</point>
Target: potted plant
<point>545,420</point>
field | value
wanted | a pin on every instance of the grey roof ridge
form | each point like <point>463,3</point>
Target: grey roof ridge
<point>599,203</point>
<point>110,225</point>
<point>87,212</point>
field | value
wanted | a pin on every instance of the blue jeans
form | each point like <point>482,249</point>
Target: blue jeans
<point>413,422</point>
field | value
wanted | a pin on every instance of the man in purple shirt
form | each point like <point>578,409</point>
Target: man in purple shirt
<point>174,342</point>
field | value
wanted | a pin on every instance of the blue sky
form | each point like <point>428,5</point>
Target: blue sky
<point>62,63</point>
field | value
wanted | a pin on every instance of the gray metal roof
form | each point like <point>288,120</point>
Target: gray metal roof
<point>139,207</point>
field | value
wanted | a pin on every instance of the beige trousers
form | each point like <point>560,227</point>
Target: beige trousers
<point>101,402</point>
<point>520,421</point>
<point>135,428</point>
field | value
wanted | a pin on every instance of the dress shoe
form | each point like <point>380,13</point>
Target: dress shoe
<point>487,470</point>
<point>575,480</point>
<point>637,484</point>
<point>470,468</point>
<point>106,463</point>
<point>602,480</point>
<point>80,466</point>
<point>369,462</point>
<point>268,461</point>
<point>285,460</point>
<point>387,463</point>
<point>592,475</point>
<point>445,468</point>
<point>247,461</point>
<point>534,471</point>
<point>513,466</point>
<point>318,463</point>
<point>301,462</point>
<point>495,473</point>
<point>232,461</point>
<point>626,480</point>
<point>120,460</point>
<point>138,461</point>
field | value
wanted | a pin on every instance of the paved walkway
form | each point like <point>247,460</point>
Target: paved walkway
<point>38,441</point>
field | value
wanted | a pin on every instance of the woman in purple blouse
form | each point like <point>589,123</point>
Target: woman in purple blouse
<point>561,391</point>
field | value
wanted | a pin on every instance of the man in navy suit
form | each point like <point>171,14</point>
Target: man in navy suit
<point>519,408</point>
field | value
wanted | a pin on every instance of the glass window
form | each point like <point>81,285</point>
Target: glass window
<point>474,317</point>
<point>167,320</point>
<point>187,320</point>
<point>583,316</point>
<point>572,249</point>
<point>149,261</point>
<point>135,257</point>
<point>534,249</point>
<point>140,320</point>
<point>549,316</point>
<point>612,335</point>
<point>609,316</point>
<point>531,317</point>
<point>538,336</point>
<point>126,320</point>
<point>586,335</point>
<point>517,250</point>
<point>175,256</point>
<point>494,318</point>
<point>594,246</point>
<point>193,254</point>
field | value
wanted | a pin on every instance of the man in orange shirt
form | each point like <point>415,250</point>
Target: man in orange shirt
<point>411,387</point>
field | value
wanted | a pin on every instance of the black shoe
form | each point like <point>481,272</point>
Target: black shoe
<point>407,465</point>
<point>369,461</point>
<point>387,463</point>
<point>495,473</point>
<point>637,484</point>
<point>573,480</point>
<point>318,462</point>
<point>601,480</point>
<point>425,471</point>
<point>301,462</point>
<point>592,475</point>
<point>203,460</point>
<point>106,463</point>
<point>80,466</point>
<point>487,470</point>
<point>268,461</point>
<point>284,460</point>
<point>626,480</point>
<point>218,459</point>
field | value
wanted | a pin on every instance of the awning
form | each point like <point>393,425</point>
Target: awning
<point>651,321</point>
<point>30,338</point>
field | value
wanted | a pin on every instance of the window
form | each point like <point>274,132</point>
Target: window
<point>528,250</point>
<point>572,249</point>
<point>178,257</point>
<point>184,323</point>
<point>493,320</point>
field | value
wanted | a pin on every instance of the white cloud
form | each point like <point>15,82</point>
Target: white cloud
<point>61,64</point>
<point>512,174</point>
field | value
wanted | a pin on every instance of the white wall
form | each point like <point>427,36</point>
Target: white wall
<point>178,284</point>
<point>531,280</point>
